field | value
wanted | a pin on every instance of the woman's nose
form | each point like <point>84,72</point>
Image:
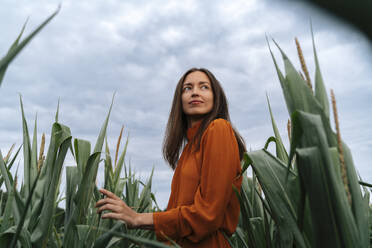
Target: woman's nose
<point>194,92</point>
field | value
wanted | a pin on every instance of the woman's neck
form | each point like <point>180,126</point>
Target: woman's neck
<point>194,121</point>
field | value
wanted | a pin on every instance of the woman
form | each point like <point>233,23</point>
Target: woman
<point>202,206</point>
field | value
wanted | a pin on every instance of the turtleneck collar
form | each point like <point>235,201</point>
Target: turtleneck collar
<point>191,131</point>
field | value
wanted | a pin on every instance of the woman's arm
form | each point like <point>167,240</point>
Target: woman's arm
<point>121,211</point>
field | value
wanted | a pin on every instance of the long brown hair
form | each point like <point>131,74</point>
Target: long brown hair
<point>176,132</point>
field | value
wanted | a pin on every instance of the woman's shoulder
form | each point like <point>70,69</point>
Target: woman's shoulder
<point>219,125</point>
<point>219,131</point>
<point>220,122</point>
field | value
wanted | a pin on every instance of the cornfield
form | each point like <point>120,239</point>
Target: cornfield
<point>310,196</point>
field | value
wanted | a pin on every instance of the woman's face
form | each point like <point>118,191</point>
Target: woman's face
<point>197,95</point>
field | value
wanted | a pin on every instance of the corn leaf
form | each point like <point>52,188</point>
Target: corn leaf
<point>281,153</point>
<point>320,91</point>
<point>272,174</point>
<point>58,147</point>
<point>72,180</point>
<point>82,152</point>
<point>16,48</point>
<point>325,190</point>
<point>13,46</point>
<point>7,216</point>
<point>283,82</point>
<point>145,196</point>
<point>23,218</point>
<point>26,151</point>
<point>105,238</point>
<point>5,174</point>
<point>119,166</point>
<point>359,204</point>
<point>301,97</point>
<point>33,158</point>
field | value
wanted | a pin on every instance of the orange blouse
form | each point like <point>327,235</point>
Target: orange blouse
<point>202,204</point>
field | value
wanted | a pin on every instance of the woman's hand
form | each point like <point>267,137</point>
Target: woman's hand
<point>119,210</point>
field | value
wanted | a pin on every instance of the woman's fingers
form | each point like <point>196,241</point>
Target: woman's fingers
<point>117,206</point>
<point>115,216</point>
<point>119,210</point>
<point>105,201</point>
<point>110,207</point>
<point>109,194</point>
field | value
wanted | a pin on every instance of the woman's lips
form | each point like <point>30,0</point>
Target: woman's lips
<point>195,102</point>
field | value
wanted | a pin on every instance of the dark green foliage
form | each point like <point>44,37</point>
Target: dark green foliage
<point>304,199</point>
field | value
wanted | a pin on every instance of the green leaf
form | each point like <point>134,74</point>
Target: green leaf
<point>281,153</point>
<point>268,141</point>
<point>24,238</point>
<point>5,173</point>
<point>57,112</point>
<point>109,174</point>
<point>325,226</point>
<point>13,52</point>
<point>72,180</point>
<point>326,191</point>
<point>320,91</point>
<point>359,204</point>
<point>26,151</point>
<point>33,157</point>
<point>103,240</point>
<point>23,218</point>
<point>58,147</point>
<point>10,164</point>
<point>119,165</point>
<point>82,152</point>
<point>145,197</point>
<point>13,46</point>
<point>17,206</point>
<point>298,96</point>
<point>272,174</point>
<point>102,134</point>
<point>253,237</point>
<point>84,234</point>
<point>85,189</point>
<point>240,235</point>
<point>283,82</point>
<point>365,184</point>
<point>7,216</point>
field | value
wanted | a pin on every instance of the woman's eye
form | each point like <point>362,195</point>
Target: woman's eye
<point>205,87</point>
<point>186,88</point>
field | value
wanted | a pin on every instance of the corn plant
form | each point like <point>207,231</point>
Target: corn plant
<point>31,217</point>
<point>311,196</point>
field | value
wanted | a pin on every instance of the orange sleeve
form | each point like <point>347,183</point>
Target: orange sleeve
<point>220,166</point>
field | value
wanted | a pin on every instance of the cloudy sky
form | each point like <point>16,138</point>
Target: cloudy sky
<point>139,49</point>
